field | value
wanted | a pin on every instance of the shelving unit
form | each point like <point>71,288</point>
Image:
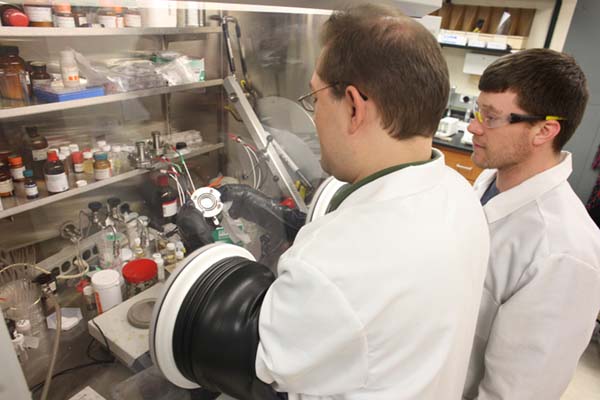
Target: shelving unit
<point>110,98</point>
<point>16,205</point>
<point>40,33</point>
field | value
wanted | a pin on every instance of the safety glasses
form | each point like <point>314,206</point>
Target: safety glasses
<point>491,121</point>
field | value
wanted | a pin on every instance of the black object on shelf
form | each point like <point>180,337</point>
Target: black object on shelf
<point>479,49</point>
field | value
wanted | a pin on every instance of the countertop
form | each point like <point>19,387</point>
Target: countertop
<point>453,142</point>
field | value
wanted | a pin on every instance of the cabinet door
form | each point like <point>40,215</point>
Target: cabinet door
<point>461,162</point>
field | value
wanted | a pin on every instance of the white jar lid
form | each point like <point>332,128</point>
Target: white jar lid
<point>88,290</point>
<point>105,279</point>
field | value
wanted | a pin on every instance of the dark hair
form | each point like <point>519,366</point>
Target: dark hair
<point>546,83</point>
<point>393,60</point>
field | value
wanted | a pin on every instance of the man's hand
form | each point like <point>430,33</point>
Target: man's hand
<point>254,206</point>
<point>193,228</point>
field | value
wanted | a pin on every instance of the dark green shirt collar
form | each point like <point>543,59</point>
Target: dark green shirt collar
<point>348,188</point>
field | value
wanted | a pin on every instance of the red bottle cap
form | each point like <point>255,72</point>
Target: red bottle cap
<point>14,17</point>
<point>13,161</point>
<point>52,156</point>
<point>141,270</point>
<point>77,157</point>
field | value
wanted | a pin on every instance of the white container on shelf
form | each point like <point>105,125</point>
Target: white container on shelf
<point>159,14</point>
<point>106,285</point>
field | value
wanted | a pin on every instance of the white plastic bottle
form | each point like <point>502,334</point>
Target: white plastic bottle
<point>69,69</point>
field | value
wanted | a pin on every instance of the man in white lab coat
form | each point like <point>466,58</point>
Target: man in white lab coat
<point>378,299</point>
<point>542,290</point>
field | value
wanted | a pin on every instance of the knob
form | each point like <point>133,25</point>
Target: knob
<point>95,206</point>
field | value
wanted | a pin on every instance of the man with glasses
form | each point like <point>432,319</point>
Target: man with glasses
<point>376,300</point>
<point>542,290</point>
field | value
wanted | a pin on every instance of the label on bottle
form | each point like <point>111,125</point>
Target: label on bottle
<point>38,14</point>
<point>31,191</point>
<point>133,21</point>
<point>7,186</point>
<point>109,21</point>
<point>17,173</point>
<point>169,209</point>
<point>65,21</point>
<point>78,168</point>
<point>41,82</point>
<point>40,155</point>
<point>57,183</point>
<point>100,174</point>
<point>70,75</point>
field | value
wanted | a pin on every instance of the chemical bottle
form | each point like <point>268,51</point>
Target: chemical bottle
<point>31,189</point>
<point>35,151</point>
<point>170,257</point>
<point>102,167</point>
<point>7,188</point>
<point>88,162</point>
<point>77,159</point>
<point>167,199</point>
<point>69,69</point>
<point>55,175</point>
<point>16,168</point>
<point>179,246</point>
<point>138,251</point>
<point>160,265</point>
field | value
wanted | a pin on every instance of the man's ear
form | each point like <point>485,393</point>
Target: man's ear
<point>546,132</point>
<point>359,108</point>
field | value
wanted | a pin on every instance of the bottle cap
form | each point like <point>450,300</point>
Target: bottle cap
<point>101,143</point>
<point>156,256</point>
<point>73,147</point>
<point>87,155</point>
<point>106,147</point>
<point>179,255</point>
<point>116,148</point>
<point>28,173</point>
<point>65,149</point>
<point>16,17</point>
<point>62,156</point>
<point>137,241</point>
<point>100,156</point>
<point>15,160</point>
<point>88,290</point>
<point>170,246</point>
<point>77,157</point>
<point>52,156</point>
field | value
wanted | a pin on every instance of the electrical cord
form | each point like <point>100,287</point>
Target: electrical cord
<point>49,375</point>
<point>95,361</point>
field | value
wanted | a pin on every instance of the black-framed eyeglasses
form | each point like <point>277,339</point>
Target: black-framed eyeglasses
<point>307,101</point>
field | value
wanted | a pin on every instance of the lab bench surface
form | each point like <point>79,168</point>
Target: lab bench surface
<point>458,156</point>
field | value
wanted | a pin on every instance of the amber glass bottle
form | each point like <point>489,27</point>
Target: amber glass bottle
<point>35,151</point>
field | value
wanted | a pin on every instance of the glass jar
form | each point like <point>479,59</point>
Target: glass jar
<point>64,20</point>
<point>7,188</point>
<point>133,18</point>
<point>14,80</point>
<point>39,13</point>
<point>107,17</point>
<point>13,16</point>
<point>39,75</point>
<point>102,169</point>
<point>80,16</point>
<point>31,189</point>
<point>139,275</point>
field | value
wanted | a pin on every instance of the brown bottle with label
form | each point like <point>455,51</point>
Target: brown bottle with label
<point>35,151</point>
<point>14,79</point>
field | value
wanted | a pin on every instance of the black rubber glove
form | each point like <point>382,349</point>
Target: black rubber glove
<point>193,228</point>
<point>256,207</point>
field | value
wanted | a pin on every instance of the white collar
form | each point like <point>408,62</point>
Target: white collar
<point>505,203</point>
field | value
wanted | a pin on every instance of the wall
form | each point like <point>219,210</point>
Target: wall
<point>455,57</point>
<point>582,41</point>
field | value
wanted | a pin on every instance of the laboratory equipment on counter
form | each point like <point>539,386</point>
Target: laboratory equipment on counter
<point>139,275</point>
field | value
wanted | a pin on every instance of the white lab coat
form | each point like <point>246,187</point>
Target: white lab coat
<point>379,299</point>
<point>542,291</point>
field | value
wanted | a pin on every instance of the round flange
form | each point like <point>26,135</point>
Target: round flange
<point>322,198</point>
<point>172,297</point>
<point>208,201</point>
